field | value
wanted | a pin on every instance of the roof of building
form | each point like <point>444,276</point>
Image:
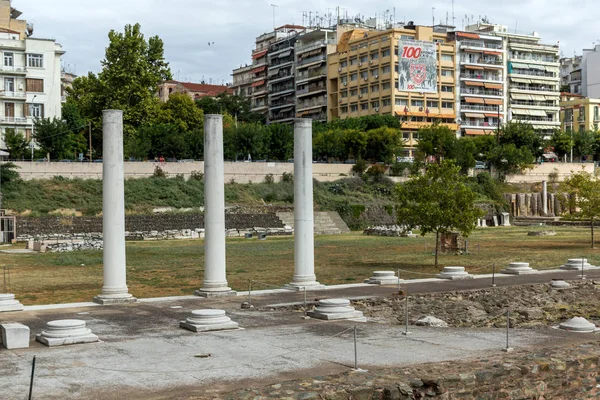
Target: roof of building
<point>209,90</point>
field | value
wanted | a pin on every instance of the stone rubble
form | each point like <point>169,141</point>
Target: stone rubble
<point>388,230</point>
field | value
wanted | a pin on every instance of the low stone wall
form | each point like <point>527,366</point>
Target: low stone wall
<point>565,372</point>
<point>56,225</point>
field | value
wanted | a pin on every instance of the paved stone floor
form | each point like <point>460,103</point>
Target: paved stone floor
<point>145,355</point>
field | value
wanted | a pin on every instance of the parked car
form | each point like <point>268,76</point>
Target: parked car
<point>405,159</point>
<point>98,160</point>
<point>65,161</point>
<point>480,165</point>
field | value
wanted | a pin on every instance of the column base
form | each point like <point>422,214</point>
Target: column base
<point>219,292</point>
<point>106,300</point>
<point>300,286</point>
<point>8,303</point>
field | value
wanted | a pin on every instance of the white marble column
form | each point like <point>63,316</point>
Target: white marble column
<point>215,281</point>
<point>304,242</point>
<point>114,290</point>
<point>545,197</point>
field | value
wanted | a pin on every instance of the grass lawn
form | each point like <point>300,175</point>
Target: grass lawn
<point>170,268</point>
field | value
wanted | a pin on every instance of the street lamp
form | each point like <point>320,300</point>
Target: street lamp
<point>571,138</point>
<point>31,144</point>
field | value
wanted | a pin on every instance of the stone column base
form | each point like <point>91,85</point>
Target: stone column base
<point>8,303</point>
<point>215,292</point>
<point>107,300</point>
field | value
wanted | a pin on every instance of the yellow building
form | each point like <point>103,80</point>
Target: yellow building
<point>579,113</point>
<point>363,80</point>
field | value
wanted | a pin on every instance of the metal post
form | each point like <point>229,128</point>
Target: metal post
<point>355,351</point>
<point>507,327</point>
<point>304,301</point>
<point>398,281</point>
<point>406,332</point>
<point>32,374</point>
<point>249,291</point>
<point>582,264</point>
<point>493,275</point>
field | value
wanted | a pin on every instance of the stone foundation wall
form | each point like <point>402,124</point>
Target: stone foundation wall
<point>531,205</point>
<point>57,225</point>
<point>568,372</point>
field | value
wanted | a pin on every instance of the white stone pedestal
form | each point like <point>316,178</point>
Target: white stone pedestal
<point>454,273</point>
<point>208,320</point>
<point>576,264</point>
<point>578,325</point>
<point>518,268</point>
<point>333,309</point>
<point>66,331</point>
<point>383,278</point>
<point>559,284</point>
<point>14,335</point>
<point>8,303</point>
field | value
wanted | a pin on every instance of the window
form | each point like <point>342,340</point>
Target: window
<point>364,106</point>
<point>438,41</point>
<point>447,89</point>
<point>374,88</point>
<point>353,107</point>
<point>34,85</point>
<point>386,102</point>
<point>401,101</point>
<point>374,56</point>
<point>447,104</point>
<point>354,76</point>
<point>353,92</point>
<point>364,90</point>
<point>364,59</point>
<point>447,57</point>
<point>385,52</point>
<point>364,75</point>
<point>344,80</point>
<point>446,72</point>
<point>406,37</point>
<point>375,104</point>
<point>344,93</point>
<point>375,72</point>
<point>385,85</point>
<point>432,103</point>
<point>386,69</point>
<point>353,61</point>
<point>9,84</point>
<point>344,109</point>
<point>344,64</point>
<point>8,59</point>
<point>35,60</point>
<point>405,135</point>
<point>36,110</point>
<point>416,103</point>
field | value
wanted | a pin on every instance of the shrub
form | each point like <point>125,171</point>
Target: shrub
<point>376,170</point>
<point>360,167</point>
<point>269,179</point>
<point>159,173</point>
<point>398,168</point>
<point>8,173</point>
<point>196,176</point>
<point>287,177</point>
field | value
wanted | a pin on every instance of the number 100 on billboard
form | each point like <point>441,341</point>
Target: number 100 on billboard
<point>417,69</point>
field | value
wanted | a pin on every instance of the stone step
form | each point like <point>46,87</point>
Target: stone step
<point>326,222</point>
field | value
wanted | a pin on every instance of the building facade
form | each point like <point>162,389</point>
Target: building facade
<point>480,82</point>
<point>533,78</point>
<point>281,71</point>
<point>194,90</point>
<point>242,81</point>
<point>578,113</point>
<point>312,49</point>
<point>30,75</point>
<point>570,75</point>
<point>363,79</point>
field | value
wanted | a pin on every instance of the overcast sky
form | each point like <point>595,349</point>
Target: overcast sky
<point>186,26</point>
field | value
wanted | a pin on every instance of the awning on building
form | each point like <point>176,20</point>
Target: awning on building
<point>541,82</point>
<point>551,69</point>
<point>450,116</point>
<point>519,96</point>
<point>493,67</point>
<point>473,115</point>
<point>538,113</point>
<point>473,67</point>
<point>472,51</point>
<point>474,132</point>
<point>284,54</point>
<point>496,102</point>
<point>537,67</point>
<point>520,48</point>
<point>520,80</point>
<point>477,100</point>
<point>259,69</point>
<point>273,72</point>
<point>493,53</point>
<point>493,86</point>
<point>258,83</point>
<point>520,111</point>
<point>467,35</point>
<point>259,54</point>
<point>551,97</point>
<point>492,115</point>
<point>519,65</point>
<point>474,83</point>
<point>537,97</point>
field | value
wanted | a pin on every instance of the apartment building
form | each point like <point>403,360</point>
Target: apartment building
<point>570,74</point>
<point>532,78</point>
<point>366,77</point>
<point>281,80</point>
<point>242,81</point>
<point>311,51</point>
<point>194,90</point>
<point>30,74</point>
<point>480,82</point>
<point>578,113</point>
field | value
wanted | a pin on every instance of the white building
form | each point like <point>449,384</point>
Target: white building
<point>570,74</point>
<point>30,75</point>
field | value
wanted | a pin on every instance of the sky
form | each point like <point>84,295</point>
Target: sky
<point>187,26</point>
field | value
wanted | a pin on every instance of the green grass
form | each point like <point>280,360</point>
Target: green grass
<point>168,268</point>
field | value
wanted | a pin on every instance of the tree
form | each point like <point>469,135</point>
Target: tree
<point>355,143</point>
<point>508,159</point>
<point>585,194</point>
<point>522,135</point>
<point>383,144</point>
<point>438,201</point>
<point>181,111</point>
<point>438,141</point>
<point>280,142</point>
<point>56,139</point>
<point>583,143</point>
<point>561,142</point>
<point>16,144</point>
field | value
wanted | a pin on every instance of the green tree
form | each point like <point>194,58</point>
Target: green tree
<point>250,139</point>
<point>583,143</point>
<point>181,111</point>
<point>383,144</point>
<point>280,142</point>
<point>329,144</point>
<point>355,143</point>
<point>438,201</point>
<point>508,159</point>
<point>585,195</point>
<point>522,135</point>
<point>438,141</point>
<point>56,138</point>
<point>561,142</point>
<point>16,144</point>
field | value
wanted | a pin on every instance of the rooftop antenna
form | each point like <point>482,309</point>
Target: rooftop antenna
<point>432,16</point>
<point>446,17</point>
<point>453,18</point>
<point>274,6</point>
<point>516,25</point>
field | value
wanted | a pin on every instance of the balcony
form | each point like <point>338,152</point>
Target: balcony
<point>480,45</point>
<point>538,88</point>
<point>476,107</point>
<point>481,77</point>
<point>13,120</point>
<point>281,88</point>
<point>531,103</point>
<point>307,105</point>
<point>479,123</point>
<point>13,70</point>
<point>280,77</point>
<point>313,45</point>
<point>481,60</point>
<point>310,60</point>
<point>533,72</point>
<point>534,58</point>
<point>466,91</point>
<point>311,89</point>
<point>304,76</point>
<point>12,95</point>
<point>282,103</point>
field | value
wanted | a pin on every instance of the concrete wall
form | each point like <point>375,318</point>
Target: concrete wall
<point>541,172</point>
<point>240,172</point>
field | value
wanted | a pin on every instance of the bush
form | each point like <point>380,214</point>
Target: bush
<point>159,173</point>
<point>376,170</point>
<point>8,173</point>
<point>360,167</point>
<point>287,177</point>
<point>269,179</point>
<point>196,176</point>
<point>398,168</point>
